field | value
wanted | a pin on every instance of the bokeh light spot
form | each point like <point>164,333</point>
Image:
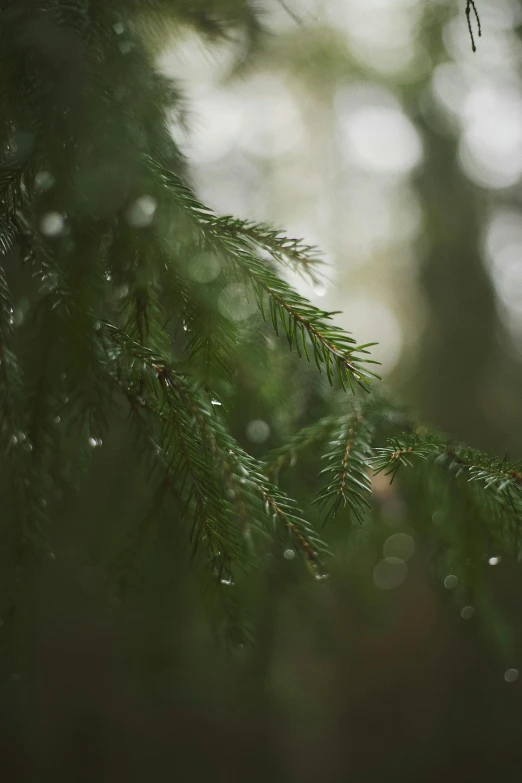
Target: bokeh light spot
<point>52,224</point>
<point>204,268</point>
<point>382,139</point>
<point>140,213</point>
<point>257,431</point>
<point>235,303</point>
<point>390,573</point>
<point>399,545</point>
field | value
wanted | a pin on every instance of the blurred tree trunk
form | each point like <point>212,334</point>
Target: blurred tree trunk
<point>457,350</point>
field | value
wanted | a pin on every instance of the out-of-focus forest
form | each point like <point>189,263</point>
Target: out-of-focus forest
<point>371,129</point>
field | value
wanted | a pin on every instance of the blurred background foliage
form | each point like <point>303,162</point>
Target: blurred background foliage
<point>369,128</point>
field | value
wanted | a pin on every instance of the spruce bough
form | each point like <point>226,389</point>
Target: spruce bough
<point>102,319</point>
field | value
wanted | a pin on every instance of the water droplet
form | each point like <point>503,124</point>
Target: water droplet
<point>140,213</point>
<point>52,224</point>
<point>400,545</point>
<point>57,419</point>
<point>118,28</point>
<point>451,581</point>
<point>215,402</point>
<point>51,556</point>
<point>13,440</point>
<point>94,442</point>
<point>511,675</point>
<point>390,573</point>
<point>319,289</point>
<point>494,560</point>
<point>322,576</point>
<point>467,612</point>
<point>289,554</point>
<point>258,431</point>
<point>227,581</point>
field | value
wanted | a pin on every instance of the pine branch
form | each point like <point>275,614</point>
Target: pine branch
<point>347,467</point>
<point>499,477</point>
<point>292,253</point>
<point>401,451</point>
<point>242,475</point>
<point>304,324</point>
<point>285,516</point>
<point>332,348</point>
<point>222,596</point>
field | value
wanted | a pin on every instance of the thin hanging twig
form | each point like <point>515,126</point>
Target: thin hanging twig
<point>470,5</point>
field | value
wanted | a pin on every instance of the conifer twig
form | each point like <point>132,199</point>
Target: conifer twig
<point>347,467</point>
<point>470,6</point>
<point>332,347</point>
<point>216,441</point>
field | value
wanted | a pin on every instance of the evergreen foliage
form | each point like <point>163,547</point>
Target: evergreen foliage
<point>103,315</point>
<point>141,335</point>
<point>104,235</point>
